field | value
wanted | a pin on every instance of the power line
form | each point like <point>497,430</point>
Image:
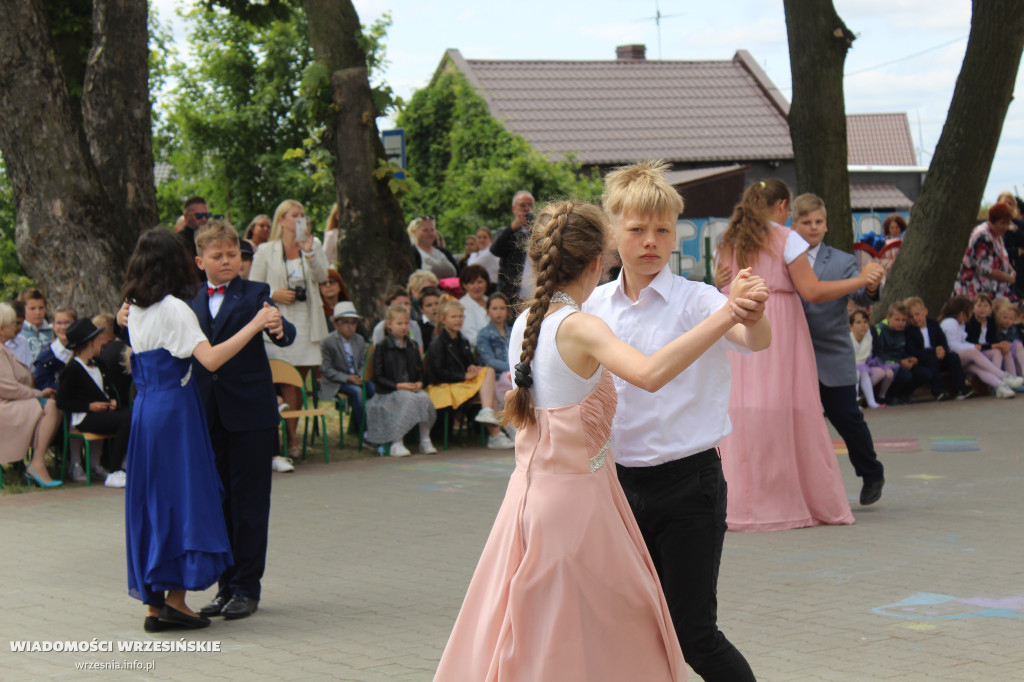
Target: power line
<point>903,59</point>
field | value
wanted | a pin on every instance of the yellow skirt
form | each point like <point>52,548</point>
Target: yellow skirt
<point>453,395</point>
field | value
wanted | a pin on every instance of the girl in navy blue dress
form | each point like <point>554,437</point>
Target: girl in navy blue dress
<point>176,537</point>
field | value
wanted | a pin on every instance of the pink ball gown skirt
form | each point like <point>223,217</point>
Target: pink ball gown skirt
<point>779,461</point>
<point>565,589</point>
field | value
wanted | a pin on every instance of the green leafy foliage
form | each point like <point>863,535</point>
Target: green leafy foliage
<point>12,276</point>
<point>467,166</point>
<point>236,111</point>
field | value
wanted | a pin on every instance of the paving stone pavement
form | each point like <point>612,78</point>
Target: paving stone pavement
<point>369,560</point>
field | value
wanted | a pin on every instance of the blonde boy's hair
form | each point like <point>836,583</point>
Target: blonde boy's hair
<point>218,230</point>
<point>641,188</point>
<point>913,302</point>
<point>104,322</point>
<point>807,203</point>
<point>897,307</point>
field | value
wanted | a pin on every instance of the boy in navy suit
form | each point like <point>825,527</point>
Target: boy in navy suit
<point>241,409</point>
<point>927,342</point>
<point>833,352</point>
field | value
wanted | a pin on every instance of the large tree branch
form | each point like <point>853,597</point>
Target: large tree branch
<point>947,209</point>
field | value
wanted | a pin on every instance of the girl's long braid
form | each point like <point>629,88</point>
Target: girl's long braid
<point>519,408</point>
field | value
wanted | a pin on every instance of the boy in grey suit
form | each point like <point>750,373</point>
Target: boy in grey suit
<point>833,352</point>
<point>343,353</point>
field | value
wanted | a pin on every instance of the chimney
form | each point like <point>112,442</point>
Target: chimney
<point>634,52</point>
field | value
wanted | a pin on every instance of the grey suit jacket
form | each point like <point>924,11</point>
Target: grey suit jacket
<point>334,365</point>
<point>829,322</point>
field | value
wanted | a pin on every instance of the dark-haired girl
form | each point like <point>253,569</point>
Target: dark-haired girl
<point>565,588</point>
<point>176,536</point>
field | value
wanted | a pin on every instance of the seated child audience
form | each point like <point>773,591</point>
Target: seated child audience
<point>430,301</point>
<point>473,280</point>
<point>453,377</point>
<point>86,396</point>
<point>870,371</point>
<point>36,330</point>
<point>1008,330</point>
<point>51,360</point>
<point>397,295</point>
<point>344,353</point>
<point>927,342</point>
<point>954,318</point>
<point>891,347</point>
<point>492,345</point>
<point>18,344</point>
<point>245,248</point>
<point>980,331</point>
<point>400,402</point>
<point>110,358</point>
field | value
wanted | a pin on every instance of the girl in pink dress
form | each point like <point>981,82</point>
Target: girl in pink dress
<point>779,461</point>
<point>565,588</point>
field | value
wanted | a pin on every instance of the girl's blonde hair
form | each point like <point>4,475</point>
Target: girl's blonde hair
<point>394,312</point>
<point>279,213</point>
<point>448,304</point>
<point>746,234</point>
<point>1000,304</point>
<point>566,239</point>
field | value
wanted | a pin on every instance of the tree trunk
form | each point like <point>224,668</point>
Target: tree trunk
<point>947,209</point>
<point>818,43</point>
<point>373,249</point>
<point>63,234</point>
<point>118,118</point>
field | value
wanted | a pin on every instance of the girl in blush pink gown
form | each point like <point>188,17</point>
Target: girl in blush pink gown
<point>565,588</point>
<point>779,460</point>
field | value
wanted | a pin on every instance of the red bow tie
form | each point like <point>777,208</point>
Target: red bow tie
<point>219,290</point>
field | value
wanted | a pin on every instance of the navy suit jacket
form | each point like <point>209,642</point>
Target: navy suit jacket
<point>241,392</point>
<point>936,337</point>
<point>829,323</point>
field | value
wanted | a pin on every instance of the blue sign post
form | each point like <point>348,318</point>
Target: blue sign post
<point>394,147</point>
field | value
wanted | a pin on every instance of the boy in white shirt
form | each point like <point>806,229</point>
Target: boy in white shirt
<point>665,442</point>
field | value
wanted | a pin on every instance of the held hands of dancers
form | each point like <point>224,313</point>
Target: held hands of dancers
<point>270,319</point>
<point>747,297</point>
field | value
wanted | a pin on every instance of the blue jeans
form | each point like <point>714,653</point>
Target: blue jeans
<point>355,397</point>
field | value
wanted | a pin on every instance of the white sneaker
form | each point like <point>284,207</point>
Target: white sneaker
<point>399,450</point>
<point>283,407</point>
<point>282,465</point>
<point>499,442</point>
<point>487,416</point>
<point>427,448</point>
<point>116,479</point>
<point>1013,381</point>
<point>1004,391</point>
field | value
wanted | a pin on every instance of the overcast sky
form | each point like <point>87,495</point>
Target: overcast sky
<point>924,39</point>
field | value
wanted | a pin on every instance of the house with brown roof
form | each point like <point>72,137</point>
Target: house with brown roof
<point>721,123</point>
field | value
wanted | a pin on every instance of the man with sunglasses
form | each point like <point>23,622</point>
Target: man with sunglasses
<point>196,214</point>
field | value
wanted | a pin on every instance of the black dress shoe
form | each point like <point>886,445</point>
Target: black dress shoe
<point>154,624</point>
<point>871,492</point>
<point>172,615</point>
<point>213,608</point>
<point>240,606</point>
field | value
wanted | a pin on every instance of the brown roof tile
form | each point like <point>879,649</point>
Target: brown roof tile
<point>879,140</point>
<point>610,112</point>
<point>878,196</point>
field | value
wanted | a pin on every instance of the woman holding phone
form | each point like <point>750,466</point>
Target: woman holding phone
<point>293,263</point>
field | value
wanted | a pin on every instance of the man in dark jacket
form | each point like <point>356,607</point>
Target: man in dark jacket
<point>514,277</point>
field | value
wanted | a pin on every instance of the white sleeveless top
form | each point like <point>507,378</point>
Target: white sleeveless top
<point>554,384</point>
